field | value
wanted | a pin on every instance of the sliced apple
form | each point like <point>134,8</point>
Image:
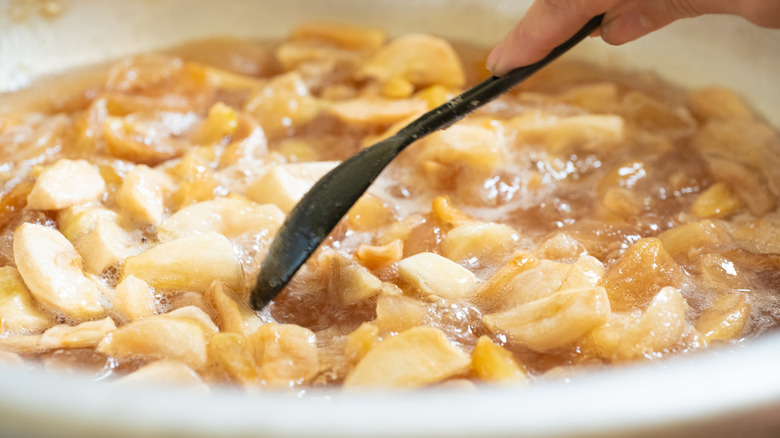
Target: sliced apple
<point>189,263</point>
<point>52,270</point>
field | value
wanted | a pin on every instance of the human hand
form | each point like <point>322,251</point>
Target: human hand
<point>548,23</point>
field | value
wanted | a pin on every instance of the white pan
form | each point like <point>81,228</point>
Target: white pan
<point>726,392</point>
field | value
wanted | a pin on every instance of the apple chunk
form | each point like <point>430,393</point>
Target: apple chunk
<point>285,185</point>
<point>417,357</point>
<point>189,263</point>
<point>158,337</point>
<point>66,183</point>
<point>553,322</point>
<point>52,270</point>
<point>227,216</point>
<point>18,312</point>
<point>433,274</point>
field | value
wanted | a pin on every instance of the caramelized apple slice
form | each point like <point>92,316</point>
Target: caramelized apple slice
<point>233,314</point>
<point>18,311</point>
<point>66,183</point>
<point>85,335</point>
<point>230,217</point>
<point>165,372</point>
<point>286,353</point>
<point>196,314</point>
<point>718,103</point>
<point>368,112</point>
<point>641,272</point>
<point>396,313</point>
<point>189,263</point>
<point>485,240</point>
<point>158,337</point>
<point>142,194</point>
<point>493,363</point>
<point>554,322</point>
<point>659,328</point>
<point>283,105</point>
<point>360,342</point>
<point>349,281</point>
<point>230,352</point>
<point>420,59</point>
<point>417,357</point>
<point>433,274</point>
<point>348,37</point>
<point>105,245</point>
<point>285,185</point>
<point>716,202</point>
<point>725,318</point>
<point>133,299</point>
<point>378,256</point>
<point>51,269</point>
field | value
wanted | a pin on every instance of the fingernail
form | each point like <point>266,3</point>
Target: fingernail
<point>625,28</point>
<point>494,57</point>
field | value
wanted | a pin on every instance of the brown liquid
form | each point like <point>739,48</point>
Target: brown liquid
<point>538,187</point>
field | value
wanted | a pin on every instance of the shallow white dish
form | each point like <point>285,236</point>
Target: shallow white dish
<point>726,392</point>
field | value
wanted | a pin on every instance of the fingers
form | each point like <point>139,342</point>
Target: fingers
<point>547,24</point>
<point>632,19</point>
<point>764,13</point>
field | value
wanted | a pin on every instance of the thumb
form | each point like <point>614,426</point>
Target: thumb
<point>635,18</point>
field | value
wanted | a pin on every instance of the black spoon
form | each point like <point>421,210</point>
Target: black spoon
<point>315,216</point>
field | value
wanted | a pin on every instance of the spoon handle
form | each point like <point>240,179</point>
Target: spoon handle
<point>320,210</point>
